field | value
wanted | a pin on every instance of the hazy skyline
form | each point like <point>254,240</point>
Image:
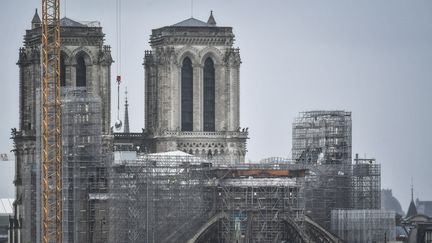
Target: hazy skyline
<point>373,58</point>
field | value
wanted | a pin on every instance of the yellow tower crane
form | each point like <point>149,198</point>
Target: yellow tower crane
<point>51,124</point>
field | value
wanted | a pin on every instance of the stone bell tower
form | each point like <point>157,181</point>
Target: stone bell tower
<point>192,82</point>
<point>85,70</point>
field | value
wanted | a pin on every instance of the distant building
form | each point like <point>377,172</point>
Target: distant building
<point>420,229</point>
<point>424,207</point>
<point>4,157</point>
<point>6,211</point>
<point>417,229</point>
<point>412,210</point>
<point>389,202</point>
<point>417,226</point>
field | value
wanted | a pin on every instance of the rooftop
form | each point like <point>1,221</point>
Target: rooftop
<point>70,23</point>
<point>36,18</point>
<point>193,31</point>
<point>6,206</point>
<point>67,22</point>
<point>412,210</point>
<point>192,22</point>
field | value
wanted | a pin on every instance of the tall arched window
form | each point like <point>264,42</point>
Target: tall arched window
<point>209,95</point>
<point>187,95</point>
<point>81,76</point>
<point>62,71</point>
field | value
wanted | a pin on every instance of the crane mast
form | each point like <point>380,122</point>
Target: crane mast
<point>51,124</point>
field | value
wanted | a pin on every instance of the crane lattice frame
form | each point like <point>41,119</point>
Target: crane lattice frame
<point>51,124</point>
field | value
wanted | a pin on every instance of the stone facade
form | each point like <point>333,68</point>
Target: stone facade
<point>78,41</point>
<point>197,42</point>
<point>86,73</point>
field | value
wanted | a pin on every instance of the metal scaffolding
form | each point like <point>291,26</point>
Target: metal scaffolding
<point>327,187</point>
<point>175,198</point>
<point>172,198</point>
<point>322,143</point>
<point>84,172</point>
<point>341,186</point>
<point>322,137</point>
<point>366,184</point>
<point>256,208</point>
<point>366,225</point>
<point>155,199</point>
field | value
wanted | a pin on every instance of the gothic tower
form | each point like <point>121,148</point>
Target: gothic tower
<point>192,82</point>
<point>85,68</point>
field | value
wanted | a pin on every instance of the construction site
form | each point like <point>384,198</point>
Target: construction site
<point>84,169</point>
<point>183,178</point>
<point>322,142</point>
<point>175,197</point>
<point>180,198</point>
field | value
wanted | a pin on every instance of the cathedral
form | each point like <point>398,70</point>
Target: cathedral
<point>192,92</point>
<point>85,80</point>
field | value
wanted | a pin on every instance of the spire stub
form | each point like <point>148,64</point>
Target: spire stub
<point>36,21</point>
<point>211,21</point>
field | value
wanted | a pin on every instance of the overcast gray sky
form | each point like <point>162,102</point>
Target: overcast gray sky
<point>371,57</point>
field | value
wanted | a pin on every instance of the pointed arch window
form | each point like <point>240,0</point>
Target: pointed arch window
<point>62,71</point>
<point>209,95</point>
<point>81,75</point>
<point>187,95</point>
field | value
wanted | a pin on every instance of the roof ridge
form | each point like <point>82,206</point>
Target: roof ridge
<point>191,22</point>
<point>65,21</point>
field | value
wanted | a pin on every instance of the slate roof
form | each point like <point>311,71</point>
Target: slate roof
<point>389,202</point>
<point>192,22</point>
<point>211,21</point>
<point>412,210</point>
<point>424,207</point>
<point>36,18</point>
<point>70,23</point>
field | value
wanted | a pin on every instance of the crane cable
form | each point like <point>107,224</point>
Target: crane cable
<point>118,123</point>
